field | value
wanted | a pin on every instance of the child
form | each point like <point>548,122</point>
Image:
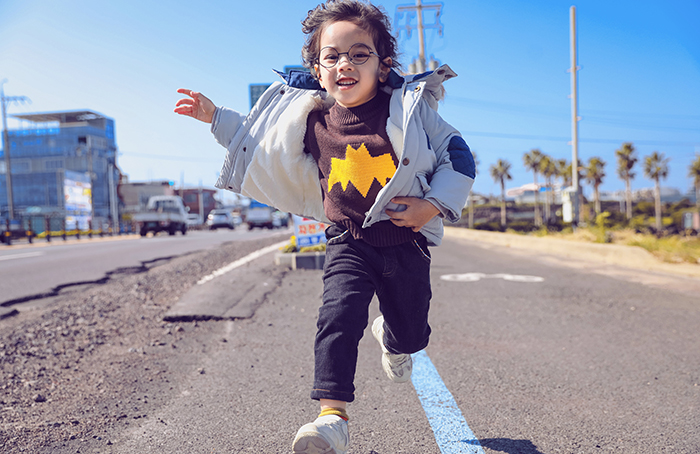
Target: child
<point>356,145</point>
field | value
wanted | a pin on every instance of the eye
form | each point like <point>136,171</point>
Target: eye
<point>360,54</point>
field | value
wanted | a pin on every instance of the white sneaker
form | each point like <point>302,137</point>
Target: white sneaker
<point>326,435</point>
<point>397,367</point>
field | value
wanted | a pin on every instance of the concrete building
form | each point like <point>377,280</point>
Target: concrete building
<point>62,164</point>
<point>134,196</point>
<point>192,198</point>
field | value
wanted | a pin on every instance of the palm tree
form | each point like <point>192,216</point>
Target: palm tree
<point>656,168</point>
<point>548,168</point>
<point>594,174</point>
<point>532,162</point>
<point>694,173</point>
<point>470,201</point>
<point>626,159</point>
<point>564,172</point>
<point>500,172</point>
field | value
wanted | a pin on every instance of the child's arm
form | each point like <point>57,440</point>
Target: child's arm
<point>417,213</point>
<point>196,106</point>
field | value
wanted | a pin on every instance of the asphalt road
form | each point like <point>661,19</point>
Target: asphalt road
<point>541,357</point>
<point>29,271</point>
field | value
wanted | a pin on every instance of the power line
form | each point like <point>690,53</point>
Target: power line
<point>598,116</point>
<point>498,135</point>
<point>169,158</point>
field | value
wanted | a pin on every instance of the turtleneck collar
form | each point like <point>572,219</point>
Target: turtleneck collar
<point>358,114</point>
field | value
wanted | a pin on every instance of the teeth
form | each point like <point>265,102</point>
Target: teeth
<point>347,82</point>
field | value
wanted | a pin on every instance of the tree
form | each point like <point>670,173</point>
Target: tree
<point>532,162</point>
<point>656,168</point>
<point>694,173</point>
<point>564,172</point>
<point>500,172</point>
<point>594,174</point>
<point>626,159</point>
<point>548,168</point>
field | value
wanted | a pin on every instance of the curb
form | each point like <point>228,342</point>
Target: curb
<point>301,260</point>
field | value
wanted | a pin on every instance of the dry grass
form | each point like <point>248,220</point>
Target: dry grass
<point>674,249</point>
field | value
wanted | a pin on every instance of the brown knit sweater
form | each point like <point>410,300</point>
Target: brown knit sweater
<point>355,160</point>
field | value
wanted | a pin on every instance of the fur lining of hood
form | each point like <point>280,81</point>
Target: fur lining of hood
<point>281,154</point>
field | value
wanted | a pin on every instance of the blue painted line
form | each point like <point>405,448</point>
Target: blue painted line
<point>452,433</point>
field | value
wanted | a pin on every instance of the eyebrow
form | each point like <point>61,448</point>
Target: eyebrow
<point>353,45</point>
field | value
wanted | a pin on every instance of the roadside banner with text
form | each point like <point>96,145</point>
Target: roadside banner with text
<point>309,232</point>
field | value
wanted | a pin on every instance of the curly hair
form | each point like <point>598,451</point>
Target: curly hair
<point>368,17</point>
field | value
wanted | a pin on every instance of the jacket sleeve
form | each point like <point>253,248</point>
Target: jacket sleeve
<point>455,170</point>
<point>225,124</point>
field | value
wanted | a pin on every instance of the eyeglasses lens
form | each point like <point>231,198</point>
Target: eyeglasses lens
<point>358,54</point>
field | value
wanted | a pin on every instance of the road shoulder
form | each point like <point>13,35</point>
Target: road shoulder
<point>630,263</point>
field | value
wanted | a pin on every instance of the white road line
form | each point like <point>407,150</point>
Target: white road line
<point>242,261</point>
<point>21,256</point>
<point>473,277</point>
<point>452,433</point>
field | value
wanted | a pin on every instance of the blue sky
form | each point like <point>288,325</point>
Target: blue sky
<point>639,82</point>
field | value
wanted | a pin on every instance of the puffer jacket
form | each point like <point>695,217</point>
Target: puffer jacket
<point>266,158</point>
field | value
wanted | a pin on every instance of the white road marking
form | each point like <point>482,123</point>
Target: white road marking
<point>241,261</point>
<point>21,256</point>
<point>473,277</point>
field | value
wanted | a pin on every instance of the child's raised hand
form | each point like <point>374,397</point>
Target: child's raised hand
<point>196,106</point>
<point>417,213</point>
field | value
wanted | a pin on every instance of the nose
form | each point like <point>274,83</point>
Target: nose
<point>344,63</point>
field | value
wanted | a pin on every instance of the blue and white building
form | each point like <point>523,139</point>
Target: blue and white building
<point>52,156</point>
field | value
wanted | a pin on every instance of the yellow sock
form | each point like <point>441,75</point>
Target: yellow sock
<point>334,411</point>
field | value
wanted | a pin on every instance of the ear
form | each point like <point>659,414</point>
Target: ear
<point>317,70</point>
<point>385,69</point>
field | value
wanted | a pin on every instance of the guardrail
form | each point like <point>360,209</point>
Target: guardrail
<point>8,236</point>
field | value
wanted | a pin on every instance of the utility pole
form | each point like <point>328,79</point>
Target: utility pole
<point>92,178</point>
<point>6,145</point>
<point>574,117</point>
<point>419,66</point>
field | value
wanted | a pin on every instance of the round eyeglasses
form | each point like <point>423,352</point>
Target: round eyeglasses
<point>357,55</point>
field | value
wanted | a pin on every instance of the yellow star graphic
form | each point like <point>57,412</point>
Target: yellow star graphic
<point>360,169</point>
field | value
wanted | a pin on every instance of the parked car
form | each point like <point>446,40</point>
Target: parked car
<point>163,213</point>
<point>220,218</point>
<point>280,219</point>
<point>193,220</point>
<point>259,215</point>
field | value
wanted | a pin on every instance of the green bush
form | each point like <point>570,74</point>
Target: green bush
<point>645,208</point>
<point>522,226</point>
<point>492,226</point>
<point>603,220</point>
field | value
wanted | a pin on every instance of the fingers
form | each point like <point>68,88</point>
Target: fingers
<point>184,111</point>
<point>394,214</point>
<point>403,200</point>
<point>185,91</point>
<point>183,101</point>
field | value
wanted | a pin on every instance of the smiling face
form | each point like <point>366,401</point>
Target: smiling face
<point>350,84</point>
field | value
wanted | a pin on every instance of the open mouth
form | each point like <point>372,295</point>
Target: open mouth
<point>346,82</point>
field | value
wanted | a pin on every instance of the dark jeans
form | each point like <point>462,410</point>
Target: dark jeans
<point>354,271</point>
